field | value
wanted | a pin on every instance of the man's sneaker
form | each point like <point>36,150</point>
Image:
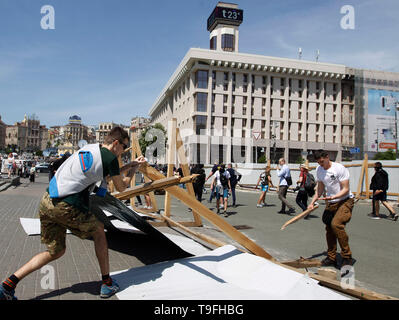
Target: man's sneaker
<point>374,216</point>
<point>281,211</point>
<point>393,217</point>
<point>259,205</point>
<point>291,210</point>
<point>327,262</point>
<point>7,295</point>
<point>108,291</point>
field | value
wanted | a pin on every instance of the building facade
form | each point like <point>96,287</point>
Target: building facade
<point>236,107</point>
<point>27,135</point>
<point>3,127</point>
<point>75,131</point>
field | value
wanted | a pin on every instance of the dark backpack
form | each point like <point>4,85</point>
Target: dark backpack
<point>310,184</point>
<point>289,180</point>
<point>223,179</point>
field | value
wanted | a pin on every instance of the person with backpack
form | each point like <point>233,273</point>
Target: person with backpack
<point>285,181</point>
<point>221,183</point>
<point>265,181</point>
<point>306,185</point>
<point>235,177</point>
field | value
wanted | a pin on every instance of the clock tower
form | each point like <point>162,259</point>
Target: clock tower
<point>223,26</point>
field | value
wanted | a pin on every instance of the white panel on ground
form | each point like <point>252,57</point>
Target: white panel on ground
<point>187,244</point>
<point>224,273</point>
<point>32,226</point>
<point>124,226</point>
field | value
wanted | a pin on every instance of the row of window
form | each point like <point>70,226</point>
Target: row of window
<point>228,42</point>
<point>200,126</point>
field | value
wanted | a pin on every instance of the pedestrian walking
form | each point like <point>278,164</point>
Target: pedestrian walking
<point>222,182</point>
<point>199,182</point>
<point>213,170</point>
<point>380,185</point>
<point>302,196</point>
<point>333,178</point>
<point>235,177</point>
<point>32,173</point>
<point>284,174</point>
<point>265,180</point>
<point>65,205</point>
<point>10,160</point>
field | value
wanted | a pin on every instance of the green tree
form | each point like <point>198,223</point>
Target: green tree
<point>145,139</point>
<point>387,155</point>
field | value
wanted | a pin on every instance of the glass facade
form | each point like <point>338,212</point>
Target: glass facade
<point>228,42</point>
<point>202,99</point>
<point>200,124</point>
<point>202,79</point>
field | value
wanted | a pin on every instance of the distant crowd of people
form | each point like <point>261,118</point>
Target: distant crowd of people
<point>23,169</point>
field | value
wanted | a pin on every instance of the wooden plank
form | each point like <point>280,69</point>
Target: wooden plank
<point>201,236</point>
<point>356,292</point>
<point>303,263</point>
<point>186,172</point>
<point>298,217</point>
<point>151,186</point>
<point>360,183</point>
<point>136,147</point>
<point>146,188</point>
<point>171,160</point>
<point>219,222</point>
<point>366,173</point>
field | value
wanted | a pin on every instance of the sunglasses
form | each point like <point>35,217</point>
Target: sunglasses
<point>123,145</point>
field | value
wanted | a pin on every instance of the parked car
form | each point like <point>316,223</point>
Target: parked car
<point>42,167</point>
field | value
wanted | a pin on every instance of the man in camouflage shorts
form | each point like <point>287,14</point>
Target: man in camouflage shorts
<point>65,205</point>
<point>58,216</point>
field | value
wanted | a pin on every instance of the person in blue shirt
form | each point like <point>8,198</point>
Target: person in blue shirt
<point>284,174</point>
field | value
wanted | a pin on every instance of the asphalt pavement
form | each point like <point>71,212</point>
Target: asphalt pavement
<point>374,243</point>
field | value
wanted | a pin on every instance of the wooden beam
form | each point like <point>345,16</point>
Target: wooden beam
<point>360,184</point>
<point>366,171</point>
<point>224,226</point>
<point>137,149</point>
<point>171,160</point>
<point>151,186</point>
<point>203,237</point>
<point>186,172</point>
<point>298,217</point>
<point>303,263</point>
<point>356,292</point>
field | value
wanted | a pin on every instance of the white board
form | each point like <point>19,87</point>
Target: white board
<point>224,273</point>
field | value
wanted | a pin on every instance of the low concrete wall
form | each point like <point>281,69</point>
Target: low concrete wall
<point>250,174</point>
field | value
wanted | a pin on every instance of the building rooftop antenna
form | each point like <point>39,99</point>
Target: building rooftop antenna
<point>300,53</point>
<point>317,55</point>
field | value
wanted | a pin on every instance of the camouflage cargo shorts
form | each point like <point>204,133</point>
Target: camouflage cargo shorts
<point>58,216</point>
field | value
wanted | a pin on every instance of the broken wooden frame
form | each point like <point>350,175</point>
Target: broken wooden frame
<point>169,184</point>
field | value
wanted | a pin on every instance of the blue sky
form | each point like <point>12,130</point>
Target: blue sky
<point>108,60</point>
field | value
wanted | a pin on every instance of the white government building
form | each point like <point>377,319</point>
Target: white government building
<point>237,107</point>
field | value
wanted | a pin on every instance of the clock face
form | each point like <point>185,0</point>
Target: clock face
<point>225,15</point>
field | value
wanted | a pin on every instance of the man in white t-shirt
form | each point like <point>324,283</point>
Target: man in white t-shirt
<point>333,178</point>
<point>221,183</point>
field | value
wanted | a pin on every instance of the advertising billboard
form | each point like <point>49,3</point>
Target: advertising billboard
<point>381,120</point>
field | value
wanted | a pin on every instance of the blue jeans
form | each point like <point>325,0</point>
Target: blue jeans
<point>212,194</point>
